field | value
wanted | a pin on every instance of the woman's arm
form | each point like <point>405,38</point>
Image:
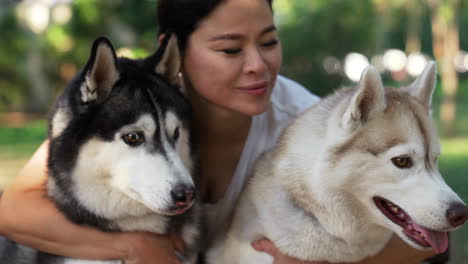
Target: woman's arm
<point>29,217</point>
<point>396,251</point>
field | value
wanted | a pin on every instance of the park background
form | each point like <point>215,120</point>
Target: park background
<point>327,44</point>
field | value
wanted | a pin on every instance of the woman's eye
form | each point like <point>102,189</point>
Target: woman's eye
<point>231,51</point>
<point>402,162</point>
<point>134,138</point>
<point>176,134</point>
<point>271,43</point>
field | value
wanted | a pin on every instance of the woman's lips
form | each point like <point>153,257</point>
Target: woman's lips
<point>255,89</point>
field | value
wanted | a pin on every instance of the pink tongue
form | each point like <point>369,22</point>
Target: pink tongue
<point>438,240</point>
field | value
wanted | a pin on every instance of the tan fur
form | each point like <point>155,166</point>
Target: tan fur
<point>312,195</point>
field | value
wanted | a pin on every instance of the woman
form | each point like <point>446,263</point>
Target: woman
<point>231,59</point>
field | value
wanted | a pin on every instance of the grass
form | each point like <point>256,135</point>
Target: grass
<point>453,164</point>
<point>16,146</point>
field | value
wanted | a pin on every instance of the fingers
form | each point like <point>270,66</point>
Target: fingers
<point>147,248</point>
<point>265,245</point>
<point>177,243</point>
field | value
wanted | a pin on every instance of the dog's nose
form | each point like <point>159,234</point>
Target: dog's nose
<point>183,195</point>
<point>457,214</point>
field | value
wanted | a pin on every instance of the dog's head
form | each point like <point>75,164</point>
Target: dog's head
<point>120,135</point>
<point>387,160</point>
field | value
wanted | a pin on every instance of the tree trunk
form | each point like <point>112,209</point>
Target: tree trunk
<point>40,91</point>
<point>415,11</point>
<point>445,35</point>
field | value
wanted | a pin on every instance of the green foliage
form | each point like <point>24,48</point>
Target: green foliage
<point>129,24</point>
<point>310,32</point>
<point>31,133</point>
<point>317,29</point>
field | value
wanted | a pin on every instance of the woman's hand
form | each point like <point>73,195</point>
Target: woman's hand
<point>268,247</point>
<point>396,251</point>
<point>149,248</point>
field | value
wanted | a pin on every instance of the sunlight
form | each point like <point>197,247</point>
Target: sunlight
<point>61,14</point>
<point>35,15</point>
<point>416,63</point>
<point>394,60</point>
<point>355,63</point>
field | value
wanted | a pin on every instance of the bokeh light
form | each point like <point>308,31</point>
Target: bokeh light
<point>461,62</point>
<point>354,65</point>
<point>394,60</point>
<point>415,64</point>
<point>61,14</point>
<point>35,15</point>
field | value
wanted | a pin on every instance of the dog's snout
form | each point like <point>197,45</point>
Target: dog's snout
<point>183,195</point>
<point>457,214</point>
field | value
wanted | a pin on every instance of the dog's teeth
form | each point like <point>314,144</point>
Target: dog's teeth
<point>402,216</point>
<point>394,209</point>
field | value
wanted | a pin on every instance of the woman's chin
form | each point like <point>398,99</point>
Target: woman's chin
<point>255,109</point>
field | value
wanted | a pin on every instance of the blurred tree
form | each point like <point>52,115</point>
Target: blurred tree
<point>311,31</point>
<point>410,20</point>
<point>33,66</point>
<point>446,45</point>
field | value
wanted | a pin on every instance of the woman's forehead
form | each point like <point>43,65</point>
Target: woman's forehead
<point>237,17</point>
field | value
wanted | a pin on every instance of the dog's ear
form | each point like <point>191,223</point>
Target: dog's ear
<point>368,100</point>
<point>423,87</point>
<point>101,72</point>
<point>169,65</point>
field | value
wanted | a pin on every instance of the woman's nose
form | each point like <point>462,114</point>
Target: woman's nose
<point>255,62</point>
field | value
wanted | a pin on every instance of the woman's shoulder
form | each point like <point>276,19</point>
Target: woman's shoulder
<point>291,97</point>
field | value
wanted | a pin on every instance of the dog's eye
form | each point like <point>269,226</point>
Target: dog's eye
<point>176,134</point>
<point>134,138</point>
<point>402,162</point>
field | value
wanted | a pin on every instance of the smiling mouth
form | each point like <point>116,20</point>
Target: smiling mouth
<point>256,89</point>
<point>422,236</point>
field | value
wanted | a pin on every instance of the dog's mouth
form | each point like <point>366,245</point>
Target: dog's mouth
<point>180,209</point>
<point>421,236</point>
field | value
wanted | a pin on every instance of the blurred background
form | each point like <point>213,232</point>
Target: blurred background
<point>327,44</point>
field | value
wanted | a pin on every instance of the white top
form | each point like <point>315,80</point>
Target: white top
<point>288,100</point>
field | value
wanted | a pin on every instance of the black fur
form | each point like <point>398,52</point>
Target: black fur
<point>138,84</point>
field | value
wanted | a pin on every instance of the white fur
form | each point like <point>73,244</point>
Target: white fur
<point>183,143</point>
<point>132,181</point>
<point>60,122</point>
<point>88,90</point>
<point>315,201</point>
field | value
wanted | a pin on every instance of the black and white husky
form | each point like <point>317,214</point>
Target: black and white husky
<point>120,157</point>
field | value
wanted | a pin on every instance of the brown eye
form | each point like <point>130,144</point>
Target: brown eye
<point>402,162</point>
<point>134,138</point>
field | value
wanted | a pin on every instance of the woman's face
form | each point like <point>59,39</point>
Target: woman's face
<point>233,57</point>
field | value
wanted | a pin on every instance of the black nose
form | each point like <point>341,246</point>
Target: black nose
<point>457,214</point>
<point>183,195</point>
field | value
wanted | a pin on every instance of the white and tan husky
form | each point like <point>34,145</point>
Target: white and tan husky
<point>346,175</point>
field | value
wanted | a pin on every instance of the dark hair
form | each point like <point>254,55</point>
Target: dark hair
<point>182,17</point>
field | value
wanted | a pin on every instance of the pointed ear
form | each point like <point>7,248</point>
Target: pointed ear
<point>423,87</point>
<point>101,72</point>
<point>169,65</point>
<point>368,100</point>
